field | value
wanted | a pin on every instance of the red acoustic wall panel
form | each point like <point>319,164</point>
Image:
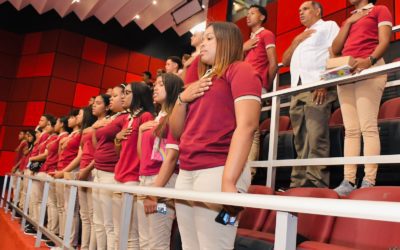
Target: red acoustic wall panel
<point>117,57</point>
<point>5,86</point>
<point>34,110</point>
<point>32,43</point>
<point>133,78</point>
<point>66,67</point>
<point>272,11</point>
<point>56,109</point>
<point>94,50</point>
<point>155,64</point>
<point>83,93</point>
<point>112,77</point>
<point>3,106</point>
<point>44,64</point>
<point>217,10</point>
<point>70,43</point>
<point>339,17</point>
<point>288,12</point>
<point>11,42</point>
<point>242,24</point>
<point>26,66</point>
<point>2,133</point>
<point>8,65</point>
<point>49,41</point>
<point>7,159</point>
<point>20,89</point>
<point>15,113</point>
<point>90,73</point>
<point>10,140</point>
<point>61,91</point>
<point>39,89</point>
<point>138,63</point>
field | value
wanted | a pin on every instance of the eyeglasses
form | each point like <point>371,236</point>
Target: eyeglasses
<point>127,92</point>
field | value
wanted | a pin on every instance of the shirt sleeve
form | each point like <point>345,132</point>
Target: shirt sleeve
<point>171,142</point>
<point>333,31</point>
<point>384,16</point>
<point>244,81</point>
<point>269,40</point>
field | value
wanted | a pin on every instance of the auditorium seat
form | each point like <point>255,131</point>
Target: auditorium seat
<point>354,234</point>
<point>390,109</point>
<point>254,218</point>
<point>310,226</point>
<point>284,124</point>
<point>336,118</point>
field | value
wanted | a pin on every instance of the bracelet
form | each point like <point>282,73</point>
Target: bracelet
<point>180,100</point>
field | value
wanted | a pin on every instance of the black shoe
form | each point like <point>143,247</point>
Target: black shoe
<point>30,231</point>
<point>17,215</point>
<point>50,244</point>
<point>44,238</point>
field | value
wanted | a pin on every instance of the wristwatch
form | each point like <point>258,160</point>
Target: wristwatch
<point>373,60</point>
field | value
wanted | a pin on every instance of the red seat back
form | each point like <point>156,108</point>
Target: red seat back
<point>311,226</point>
<point>390,109</point>
<point>253,218</point>
<point>368,234</point>
<point>336,118</point>
<point>284,124</point>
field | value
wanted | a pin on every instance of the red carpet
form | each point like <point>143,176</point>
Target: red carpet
<point>11,236</point>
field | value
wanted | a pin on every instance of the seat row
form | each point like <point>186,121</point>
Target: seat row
<point>324,232</point>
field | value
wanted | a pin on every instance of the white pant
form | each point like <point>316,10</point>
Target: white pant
<point>36,198</point>
<point>89,241</point>
<point>60,208</point>
<point>75,220</point>
<point>155,229</point>
<point>133,235</point>
<point>196,220</point>
<point>102,211</point>
<point>52,213</point>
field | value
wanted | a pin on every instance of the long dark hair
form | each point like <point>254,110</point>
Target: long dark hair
<point>64,121</point>
<point>141,98</point>
<point>33,134</point>
<point>173,86</point>
<point>88,118</point>
<point>106,100</point>
<point>372,1</point>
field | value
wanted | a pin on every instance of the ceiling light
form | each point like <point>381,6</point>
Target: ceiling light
<point>75,1</point>
<point>154,2</point>
<point>137,16</point>
<point>203,6</point>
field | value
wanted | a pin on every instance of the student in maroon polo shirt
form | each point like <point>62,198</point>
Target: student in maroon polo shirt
<point>215,119</point>
<point>158,152</point>
<point>137,99</point>
<point>260,49</point>
<point>365,35</point>
<point>30,136</point>
<point>105,159</point>
<point>40,156</point>
<point>69,147</point>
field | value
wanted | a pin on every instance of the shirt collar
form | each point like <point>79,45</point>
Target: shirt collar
<point>316,23</point>
<point>253,34</point>
<point>366,7</point>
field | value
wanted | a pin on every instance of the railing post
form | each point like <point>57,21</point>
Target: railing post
<point>26,202</point>
<point>43,207</point>
<point>9,192</point>
<point>16,196</point>
<point>70,216</point>
<point>125,220</point>
<point>285,231</point>
<point>273,136</point>
<point>3,191</point>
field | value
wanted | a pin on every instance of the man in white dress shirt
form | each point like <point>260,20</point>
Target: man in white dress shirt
<point>310,111</point>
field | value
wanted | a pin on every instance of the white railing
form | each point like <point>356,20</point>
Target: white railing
<point>286,223</point>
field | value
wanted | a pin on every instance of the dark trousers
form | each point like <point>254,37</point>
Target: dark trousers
<point>311,138</point>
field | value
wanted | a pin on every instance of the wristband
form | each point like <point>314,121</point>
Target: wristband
<point>180,100</point>
<point>373,60</point>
